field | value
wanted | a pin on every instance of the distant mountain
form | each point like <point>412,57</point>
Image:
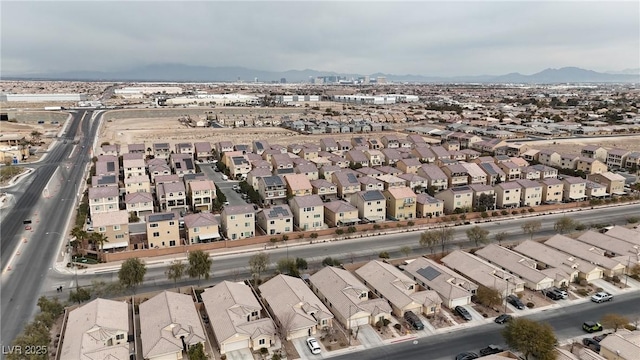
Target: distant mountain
<point>635,71</point>
<point>189,73</point>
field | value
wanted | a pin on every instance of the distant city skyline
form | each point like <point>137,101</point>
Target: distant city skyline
<point>394,37</point>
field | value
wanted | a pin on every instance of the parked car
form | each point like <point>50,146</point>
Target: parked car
<point>467,356</point>
<point>564,294</point>
<point>515,301</point>
<point>591,344</point>
<point>601,297</point>
<point>591,326</point>
<point>463,313</point>
<point>553,294</point>
<point>490,350</point>
<point>599,338</point>
<point>413,320</point>
<point>313,345</point>
<point>503,319</point>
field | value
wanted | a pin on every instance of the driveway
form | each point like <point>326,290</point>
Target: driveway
<point>606,286</point>
<point>244,354</point>
<point>368,337</point>
<point>303,350</point>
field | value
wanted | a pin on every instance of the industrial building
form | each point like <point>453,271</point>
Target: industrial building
<point>42,97</point>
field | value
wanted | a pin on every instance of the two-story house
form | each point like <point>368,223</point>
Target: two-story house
<point>238,222</point>
<point>574,189</point>
<point>272,189</point>
<point>340,213</point>
<point>508,194</point>
<point>308,212</point>
<point>163,230</point>
<point>172,196</point>
<point>275,220</point>
<point>114,225</point>
<point>531,192</point>
<point>139,203</point>
<point>103,199</point>
<point>202,194</point>
<point>346,182</point>
<point>371,205</point>
<point>401,203</point>
<point>460,197</point>
<point>298,185</point>
<point>201,227</point>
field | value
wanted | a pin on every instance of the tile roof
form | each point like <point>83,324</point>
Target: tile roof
<point>201,219</point>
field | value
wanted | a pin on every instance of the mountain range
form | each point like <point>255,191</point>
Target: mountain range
<point>190,73</point>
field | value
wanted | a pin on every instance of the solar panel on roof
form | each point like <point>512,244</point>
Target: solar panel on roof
<point>111,166</point>
<point>189,163</point>
<point>429,273</point>
<point>372,196</point>
<point>352,178</point>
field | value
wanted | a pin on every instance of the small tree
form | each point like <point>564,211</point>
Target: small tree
<point>301,264</point>
<point>132,273</point>
<point>383,255</point>
<point>478,235</point>
<point>176,271</point>
<point>329,261</point>
<point>405,250</point>
<point>614,321</point>
<point>531,227</point>
<point>488,297</point>
<point>258,263</point>
<point>429,239</point>
<point>80,295</point>
<point>287,266</point>
<point>530,338</point>
<point>445,237</point>
<point>199,265</point>
<point>196,352</point>
<point>564,225</point>
<point>500,237</point>
<point>52,306</point>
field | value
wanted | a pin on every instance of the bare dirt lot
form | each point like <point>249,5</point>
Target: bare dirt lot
<point>569,146</point>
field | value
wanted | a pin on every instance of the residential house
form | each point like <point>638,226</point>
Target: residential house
<point>428,207</point>
<point>391,156</point>
<point>169,324</point>
<point>328,144</point>
<point>357,158</point>
<point>348,298</point>
<point>409,166</point>
<point>224,147</point>
<point>590,166</point>
<point>616,158</point>
<point>309,151</point>
<point>370,183</point>
<point>110,149</point>
<point>484,197</point>
<point>587,252</point>
<point>613,182</point>
<point>239,166</point>
<point>494,173</point>
<point>99,327</point>
<point>390,141</point>
<point>508,194</point>
<point>157,169</point>
<point>552,191</point>
<point>202,227</point>
<point>202,194</point>
<point>107,165</point>
<point>391,181</point>
<point>568,161</point>
<point>237,318</point>
<point>628,235</point>
<point>547,257</point>
<point>376,158</point>
<point>549,157</point>
<point>511,170</point>
<point>114,225</point>
<point>172,196</point>
<point>308,212</point>
<point>546,172</point>
<point>105,180</point>
<point>185,148</point>
<point>424,154</point>
<point>295,307</point>
<point>298,185</point>
<point>620,250</point>
<point>518,265</point>
<point>371,205</point>
<point>203,151</point>
<point>238,221</point>
<point>436,178</point>
<point>133,166</point>
<point>272,189</point>
<point>163,230</point>
<point>326,189</point>
<point>594,152</point>
<point>621,345</point>
<point>161,150</point>
<point>103,199</point>
<point>453,289</point>
<point>594,190</point>
<point>402,292</point>
<point>475,173</point>
<point>574,189</point>
<point>401,203</point>
<point>483,273</point>
<point>254,176</point>
<point>347,184</point>
<point>340,213</point>
<point>275,220</point>
<point>633,161</point>
<point>460,197</point>
<point>530,173</point>
<point>259,146</point>
<point>136,149</point>
<point>309,170</point>
<point>414,182</point>
<point>139,203</point>
<point>530,193</point>
<point>135,184</point>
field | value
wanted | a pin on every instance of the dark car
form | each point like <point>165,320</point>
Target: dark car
<point>599,338</point>
<point>591,326</point>
<point>553,294</point>
<point>463,313</point>
<point>515,301</point>
<point>490,350</point>
<point>413,320</point>
<point>591,344</point>
<point>503,319</point>
<point>467,356</point>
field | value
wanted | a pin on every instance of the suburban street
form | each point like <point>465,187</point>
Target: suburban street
<point>566,322</point>
<point>22,284</point>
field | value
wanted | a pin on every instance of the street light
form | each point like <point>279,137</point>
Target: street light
<point>57,233</point>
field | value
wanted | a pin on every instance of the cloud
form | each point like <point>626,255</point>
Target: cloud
<point>429,38</point>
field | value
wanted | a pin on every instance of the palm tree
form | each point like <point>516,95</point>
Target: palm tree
<point>98,239</point>
<point>80,236</point>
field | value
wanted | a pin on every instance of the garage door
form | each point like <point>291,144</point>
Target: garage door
<point>299,334</point>
<point>236,345</point>
<point>460,301</point>
<point>358,321</point>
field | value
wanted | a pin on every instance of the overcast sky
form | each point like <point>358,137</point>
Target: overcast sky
<point>426,38</point>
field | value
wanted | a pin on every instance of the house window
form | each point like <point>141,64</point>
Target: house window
<point>119,236</point>
<point>232,217</point>
<point>248,215</point>
<point>154,225</point>
<point>102,229</point>
<point>116,227</point>
<point>261,342</point>
<point>156,234</point>
<point>119,336</point>
<point>172,243</point>
<point>171,223</point>
<point>272,222</point>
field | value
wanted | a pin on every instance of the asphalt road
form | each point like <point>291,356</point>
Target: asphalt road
<point>22,285</point>
<point>566,321</point>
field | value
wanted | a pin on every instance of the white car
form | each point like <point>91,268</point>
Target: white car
<point>601,297</point>
<point>313,345</point>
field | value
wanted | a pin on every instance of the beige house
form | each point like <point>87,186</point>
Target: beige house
<point>275,220</point>
<point>115,226</point>
<point>617,157</point>
<point>460,197</point>
<point>552,191</point>
<point>595,190</point>
<point>272,189</point>
<point>621,345</point>
<point>401,203</point>
<point>372,205</point>
<point>97,327</point>
<point>508,194</point>
<point>518,265</point>
<point>340,213</point>
<point>457,175</point>
<point>163,230</point>
<point>574,189</point>
<point>613,182</point>
<point>237,318</point>
<point>530,193</point>
<point>172,196</point>
<point>295,308</point>
<point>136,184</point>
<point>347,184</point>
<point>169,322</point>
<point>483,273</point>
<point>620,250</point>
<point>133,166</point>
<point>436,178</point>
<point>376,158</point>
<point>103,199</point>
<point>201,227</point>
<point>409,166</point>
<point>587,252</point>
<point>453,288</point>
<point>324,188</point>
<point>590,166</point>
<point>549,157</point>
<point>308,212</point>
<point>348,298</point>
<point>238,221</point>
<point>403,293</point>
<point>298,185</point>
<point>202,194</point>
<point>427,206</point>
<point>547,257</point>
<point>594,152</point>
<point>139,203</point>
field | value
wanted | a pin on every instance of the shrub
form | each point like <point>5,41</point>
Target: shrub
<point>583,282</point>
<point>313,235</point>
<point>523,211</point>
<point>582,292</point>
<point>274,240</point>
<point>615,279</point>
<point>495,213</point>
<point>397,327</point>
<point>484,215</point>
<point>504,212</point>
<point>339,231</point>
<point>386,322</point>
<point>581,227</point>
<point>530,305</point>
<point>630,327</point>
<point>410,223</point>
<point>463,217</point>
<point>532,210</point>
<point>633,219</point>
<point>514,212</point>
<point>453,218</point>
<point>376,227</point>
<point>383,255</point>
<point>264,351</point>
<point>351,229</point>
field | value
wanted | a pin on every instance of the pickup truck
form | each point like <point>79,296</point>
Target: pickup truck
<point>601,297</point>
